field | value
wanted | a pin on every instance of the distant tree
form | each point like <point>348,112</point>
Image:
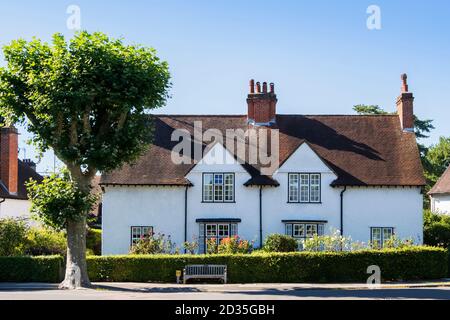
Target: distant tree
<point>438,159</point>
<point>87,99</point>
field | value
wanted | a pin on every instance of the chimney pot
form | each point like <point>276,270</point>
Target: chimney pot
<point>258,87</point>
<point>252,86</point>
<point>405,83</point>
<point>265,87</point>
<point>272,88</point>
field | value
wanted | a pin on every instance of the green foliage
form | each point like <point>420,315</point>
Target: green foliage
<point>31,269</point>
<point>414,263</point>
<point>94,241</point>
<point>88,98</point>
<point>437,160</point>
<point>57,200</point>
<point>13,235</point>
<point>45,242</point>
<point>436,229</point>
<point>153,244</point>
<point>280,243</point>
<point>369,110</point>
<point>190,247</point>
<point>235,245</point>
<point>331,243</point>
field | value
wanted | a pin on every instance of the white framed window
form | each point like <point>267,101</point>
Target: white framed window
<point>293,187</point>
<point>139,233</point>
<point>379,236</point>
<point>304,230</point>
<point>218,187</point>
<point>315,188</point>
<point>216,231</point>
<point>304,188</point>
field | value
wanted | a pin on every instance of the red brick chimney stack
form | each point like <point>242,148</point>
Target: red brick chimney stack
<point>261,104</point>
<point>405,106</point>
<point>9,146</point>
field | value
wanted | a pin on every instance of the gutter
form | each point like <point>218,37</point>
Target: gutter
<point>260,219</point>
<point>342,210</point>
<point>185,214</point>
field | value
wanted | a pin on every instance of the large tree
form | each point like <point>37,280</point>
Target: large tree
<point>87,99</point>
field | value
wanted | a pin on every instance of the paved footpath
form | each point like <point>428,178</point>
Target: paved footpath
<point>144,291</point>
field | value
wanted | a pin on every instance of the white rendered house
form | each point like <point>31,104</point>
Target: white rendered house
<point>360,175</point>
<point>440,194</point>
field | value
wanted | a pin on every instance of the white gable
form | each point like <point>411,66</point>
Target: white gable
<point>218,159</point>
<point>304,159</point>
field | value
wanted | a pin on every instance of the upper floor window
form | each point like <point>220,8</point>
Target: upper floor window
<point>304,187</point>
<point>218,187</point>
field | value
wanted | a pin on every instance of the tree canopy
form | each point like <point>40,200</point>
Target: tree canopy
<point>85,99</point>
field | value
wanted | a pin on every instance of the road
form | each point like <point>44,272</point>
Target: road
<point>229,292</point>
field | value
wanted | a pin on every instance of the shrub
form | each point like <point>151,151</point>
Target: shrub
<point>331,243</point>
<point>44,242</point>
<point>415,263</point>
<point>94,241</point>
<point>437,230</point>
<point>12,237</point>
<point>190,247</point>
<point>235,245</point>
<point>280,243</point>
<point>31,269</point>
<point>153,244</point>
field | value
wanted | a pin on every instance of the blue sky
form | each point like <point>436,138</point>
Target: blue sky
<point>320,54</point>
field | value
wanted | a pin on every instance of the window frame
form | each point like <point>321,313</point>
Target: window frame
<point>223,185</point>
<point>319,228</point>
<point>299,187</point>
<point>232,227</point>
<point>382,238</point>
<point>142,229</point>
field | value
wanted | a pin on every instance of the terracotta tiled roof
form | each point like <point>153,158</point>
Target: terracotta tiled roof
<point>361,150</point>
<point>25,174</point>
<point>443,184</point>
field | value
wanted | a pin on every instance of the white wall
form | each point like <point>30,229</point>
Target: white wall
<point>12,208</point>
<point>441,203</point>
<point>125,207</point>
<point>400,208</point>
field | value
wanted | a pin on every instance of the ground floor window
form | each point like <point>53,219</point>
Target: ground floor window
<point>138,233</point>
<point>379,236</point>
<point>215,230</point>
<point>304,230</point>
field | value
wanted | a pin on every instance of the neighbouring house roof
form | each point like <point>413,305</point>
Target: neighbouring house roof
<point>361,150</point>
<point>25,173</point>
<point>443,184</point>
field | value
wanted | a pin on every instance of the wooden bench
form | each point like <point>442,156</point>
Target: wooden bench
<point>205,272</point>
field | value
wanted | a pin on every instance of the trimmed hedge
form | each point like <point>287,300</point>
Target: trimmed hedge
<point>417,263</point>
<point>31,269</point>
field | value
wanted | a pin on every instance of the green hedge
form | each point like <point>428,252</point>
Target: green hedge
<point>401,264</point>
<point>31,269</point>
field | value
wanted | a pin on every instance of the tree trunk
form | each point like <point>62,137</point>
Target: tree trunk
<point>76,266</point>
